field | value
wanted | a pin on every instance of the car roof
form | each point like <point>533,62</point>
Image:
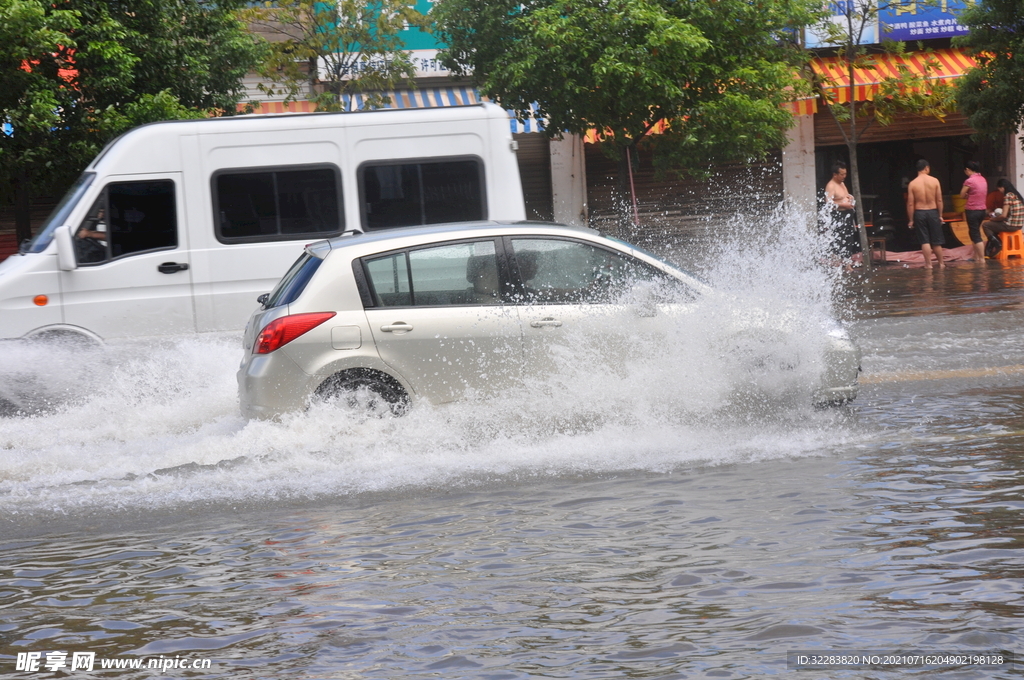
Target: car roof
<point>453,230</point>
<point>359,244</point>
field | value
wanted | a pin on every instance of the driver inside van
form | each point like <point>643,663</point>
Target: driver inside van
<point>91,239</point>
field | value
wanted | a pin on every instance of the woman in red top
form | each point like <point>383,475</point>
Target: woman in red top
<point>975,191</point>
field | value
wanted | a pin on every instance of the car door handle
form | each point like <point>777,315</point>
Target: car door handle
<point>400,327</point>
<point>171,267</point>
<point>545,322</point>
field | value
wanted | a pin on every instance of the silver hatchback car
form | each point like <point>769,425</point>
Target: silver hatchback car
<point>434,313</point>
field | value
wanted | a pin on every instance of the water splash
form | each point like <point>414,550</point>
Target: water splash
<point>141,426</point>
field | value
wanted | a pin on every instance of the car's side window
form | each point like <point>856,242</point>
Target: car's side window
<point>421,192</point>
<point>560,271</point>
<point>128,218</point>
<point>453,274</point>
<point>389,280</point>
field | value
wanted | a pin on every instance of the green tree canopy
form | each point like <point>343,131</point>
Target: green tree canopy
<point>715,72</point>
<point>320,51</point>
<point>74,74</point>
<point>992,95</point>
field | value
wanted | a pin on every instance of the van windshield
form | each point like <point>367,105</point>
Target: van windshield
<point>59,214</point>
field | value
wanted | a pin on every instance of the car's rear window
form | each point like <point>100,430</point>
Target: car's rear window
<point>294,282</point>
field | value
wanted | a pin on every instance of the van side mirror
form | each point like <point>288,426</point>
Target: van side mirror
<point>65,249</point>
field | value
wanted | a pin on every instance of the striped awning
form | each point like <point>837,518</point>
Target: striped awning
<point>531,124</point>
<point>424,98</point>
<point>951,64</point>
<point>804,106</point>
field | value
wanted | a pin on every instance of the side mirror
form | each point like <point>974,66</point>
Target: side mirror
<point>263,298</point>
<point>65,249</point>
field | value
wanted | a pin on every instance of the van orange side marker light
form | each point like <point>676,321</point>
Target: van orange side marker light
<point>40,300</point>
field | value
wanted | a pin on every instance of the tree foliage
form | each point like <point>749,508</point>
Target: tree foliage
<point>714,73</point>
<point>321,51</point>
<point>76,73</point>
<point>992,95</point>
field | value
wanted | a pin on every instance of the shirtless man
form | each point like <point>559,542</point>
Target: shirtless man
<point>924,212</point>
<point>847,241</point>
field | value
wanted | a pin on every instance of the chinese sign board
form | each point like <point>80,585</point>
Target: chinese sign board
<point>895,20</point>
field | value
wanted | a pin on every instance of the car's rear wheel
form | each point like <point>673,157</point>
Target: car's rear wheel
<point>364,389</point>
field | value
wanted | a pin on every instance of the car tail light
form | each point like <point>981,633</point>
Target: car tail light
<point>280,332</point>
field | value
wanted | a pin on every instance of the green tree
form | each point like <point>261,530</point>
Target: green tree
<point>907,92</point>
<point>992,95</point>
<point>320,51</point>
<point>712,73</point>
<point>75,74</point>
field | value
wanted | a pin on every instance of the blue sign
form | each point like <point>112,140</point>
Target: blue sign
<point>905,20</point>
<point>914,20</point>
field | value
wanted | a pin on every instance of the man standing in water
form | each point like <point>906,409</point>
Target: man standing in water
<point>846,241</point>
<point>924,212</point>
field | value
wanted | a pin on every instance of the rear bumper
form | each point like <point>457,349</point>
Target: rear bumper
<point>270,385</point>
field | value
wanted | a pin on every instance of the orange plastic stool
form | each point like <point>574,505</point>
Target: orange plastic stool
<point>1013,245</point>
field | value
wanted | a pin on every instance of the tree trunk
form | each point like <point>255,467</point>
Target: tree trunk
<point>859,207</point>
<point>851,145</point>
<point>22,207</point>
<point>622,201</point>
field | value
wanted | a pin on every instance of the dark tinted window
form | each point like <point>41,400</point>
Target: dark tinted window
<point>128,218</point>
<point>294,282</point>
<point>277,204</point>
<point>422,192</point>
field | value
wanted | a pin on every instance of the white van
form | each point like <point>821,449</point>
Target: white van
<point>178,226</point>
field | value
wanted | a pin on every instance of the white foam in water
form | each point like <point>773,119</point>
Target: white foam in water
<point>149,425</point>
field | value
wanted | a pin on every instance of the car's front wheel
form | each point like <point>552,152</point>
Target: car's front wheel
<point>364,389</point>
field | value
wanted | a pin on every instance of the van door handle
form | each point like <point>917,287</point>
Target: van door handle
<point>545,322</point>
<point>171,267</point>
<point>400,327</point>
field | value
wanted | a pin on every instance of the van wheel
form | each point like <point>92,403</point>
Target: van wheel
<point>64,338</point>
<point>365,390</point>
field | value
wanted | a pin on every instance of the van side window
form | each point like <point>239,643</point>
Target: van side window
<point>128,218</point>
<point>277,204</point>
<point>421,192</point>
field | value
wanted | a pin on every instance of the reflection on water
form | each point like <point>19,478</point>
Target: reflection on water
<point>624,530</point>
<point>961,288</point>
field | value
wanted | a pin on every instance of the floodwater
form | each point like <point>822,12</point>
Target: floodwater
<point>641,522</point>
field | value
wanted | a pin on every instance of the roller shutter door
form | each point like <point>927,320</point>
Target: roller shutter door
<point>535,172</point>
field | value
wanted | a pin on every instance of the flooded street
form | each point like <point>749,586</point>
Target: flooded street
<point>641,524</point>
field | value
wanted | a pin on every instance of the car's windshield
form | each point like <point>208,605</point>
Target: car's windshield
<point>59,214</point>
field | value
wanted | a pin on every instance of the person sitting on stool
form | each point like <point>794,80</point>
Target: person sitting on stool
<point>1012,216</point>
